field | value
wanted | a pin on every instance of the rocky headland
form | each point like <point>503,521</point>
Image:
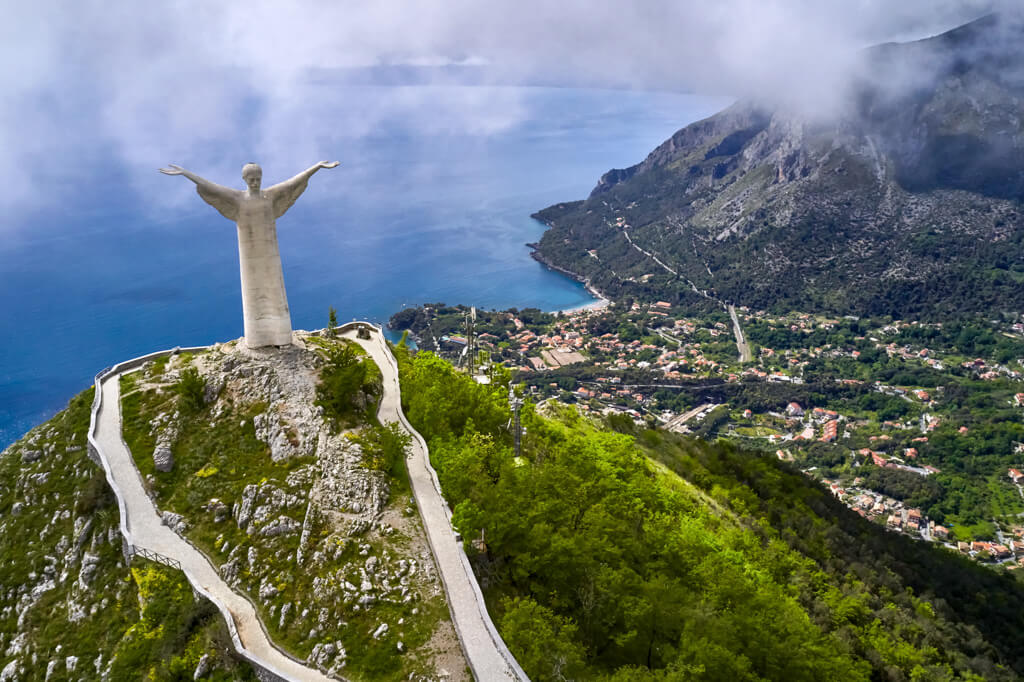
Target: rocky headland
<point>906,201</point>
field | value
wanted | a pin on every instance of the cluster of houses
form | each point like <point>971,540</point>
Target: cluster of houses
<point>569,340</point>
<point>607,394</point>
<point>899,518</point>
<point>884,461</point>
<point>907,354</point>
<point>990,372</point>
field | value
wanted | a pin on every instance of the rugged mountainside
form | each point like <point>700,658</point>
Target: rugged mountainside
<point>70,607</point>
<point>260,459</point>
<point>274,466</point>
<point>906,203</point>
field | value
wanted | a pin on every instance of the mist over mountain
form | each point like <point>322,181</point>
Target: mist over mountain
<point>906,200</point>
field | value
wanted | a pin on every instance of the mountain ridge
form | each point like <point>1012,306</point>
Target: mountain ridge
<point>907,203</point>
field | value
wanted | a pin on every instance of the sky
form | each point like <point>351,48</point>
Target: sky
<point>154,83</point>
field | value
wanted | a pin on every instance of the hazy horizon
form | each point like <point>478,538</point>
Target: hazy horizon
<point>164,83</point>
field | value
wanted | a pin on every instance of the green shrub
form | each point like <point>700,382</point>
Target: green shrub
<point>349,385</point>
<point>384,446</point>
<point>544,643</point>
<point>191,388</point>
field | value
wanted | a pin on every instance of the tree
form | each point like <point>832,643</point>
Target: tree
<point>349,385</point>
<point>332,321</point>
<point>191,389</point>
<point>543,642</point>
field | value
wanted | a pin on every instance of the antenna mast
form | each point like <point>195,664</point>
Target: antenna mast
<point>515,402</point>
<point>470,338</point>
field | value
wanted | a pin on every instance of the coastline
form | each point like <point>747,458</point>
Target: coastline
<point>601,301</point>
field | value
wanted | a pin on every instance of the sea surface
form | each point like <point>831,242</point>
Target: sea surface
<point>111,267</point>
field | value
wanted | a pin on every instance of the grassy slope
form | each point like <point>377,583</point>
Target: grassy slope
<point>56,513</point>
<point>216,458</point>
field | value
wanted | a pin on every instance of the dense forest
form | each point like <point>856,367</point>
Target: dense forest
<point>611,552</point>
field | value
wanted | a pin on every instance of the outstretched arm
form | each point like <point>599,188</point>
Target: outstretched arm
<point>284,194</point>
<point>174,169</point>
<point>222,198</point>
<point>303,177</point>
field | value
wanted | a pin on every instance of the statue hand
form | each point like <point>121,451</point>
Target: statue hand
<point>173,169</point>
<point>328,164</point>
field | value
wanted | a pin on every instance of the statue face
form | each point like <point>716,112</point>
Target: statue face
<point>253,175</point>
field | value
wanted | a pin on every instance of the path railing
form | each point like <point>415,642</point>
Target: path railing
<point>155,556</point>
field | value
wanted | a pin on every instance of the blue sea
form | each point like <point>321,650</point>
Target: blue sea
<point>119,260</point>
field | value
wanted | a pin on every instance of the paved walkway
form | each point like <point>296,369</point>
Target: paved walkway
<point>485,651</point>
<point>146,530</point>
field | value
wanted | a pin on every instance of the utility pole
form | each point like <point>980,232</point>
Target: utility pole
<point>470,332</point>
<point>515,402</point>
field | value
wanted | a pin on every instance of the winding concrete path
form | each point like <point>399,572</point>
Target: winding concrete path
<point>146,530</point>
<point>143,528</point>
<point>485,651</point>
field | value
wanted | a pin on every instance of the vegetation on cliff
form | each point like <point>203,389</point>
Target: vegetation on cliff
<point>70,606</point>
<point>646,555</point>
<point>280,474</point>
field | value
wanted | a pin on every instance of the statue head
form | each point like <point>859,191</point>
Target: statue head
<point>253,175</point>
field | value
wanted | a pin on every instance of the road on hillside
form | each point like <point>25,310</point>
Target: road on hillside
<point>741,341</point>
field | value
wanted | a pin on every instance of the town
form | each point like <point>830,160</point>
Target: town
<point>917,426</point>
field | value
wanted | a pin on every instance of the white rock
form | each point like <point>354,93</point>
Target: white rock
<point>203,668</point>
<point>10,672</point>
<point>175,522</point>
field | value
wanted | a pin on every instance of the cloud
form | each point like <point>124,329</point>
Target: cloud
<point>159,82</point>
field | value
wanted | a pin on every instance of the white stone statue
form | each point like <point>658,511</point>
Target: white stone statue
<point>264,304</point>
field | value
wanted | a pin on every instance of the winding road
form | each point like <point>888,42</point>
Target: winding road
<point>143,529</point>
<point>741,343</point>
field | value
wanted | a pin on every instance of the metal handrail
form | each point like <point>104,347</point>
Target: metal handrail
<point>153,556</point>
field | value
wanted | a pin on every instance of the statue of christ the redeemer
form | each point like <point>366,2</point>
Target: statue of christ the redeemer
<point>264,305</point>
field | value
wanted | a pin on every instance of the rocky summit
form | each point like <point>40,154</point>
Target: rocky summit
<point>277,491</point>
<point>907,201</point>
<point>242,459</point>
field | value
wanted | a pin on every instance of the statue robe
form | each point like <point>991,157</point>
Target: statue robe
<point>267,320</point>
